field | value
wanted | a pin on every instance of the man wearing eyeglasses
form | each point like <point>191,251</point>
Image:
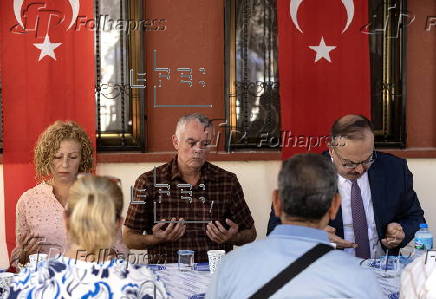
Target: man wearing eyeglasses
<point>380,210</point>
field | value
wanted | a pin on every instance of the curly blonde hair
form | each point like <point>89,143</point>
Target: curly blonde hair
<point>49,143</point>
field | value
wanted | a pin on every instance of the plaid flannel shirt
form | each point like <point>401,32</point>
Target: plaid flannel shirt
<point>165,195</point>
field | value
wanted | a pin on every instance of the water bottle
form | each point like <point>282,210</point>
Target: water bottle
<point>423,240</point>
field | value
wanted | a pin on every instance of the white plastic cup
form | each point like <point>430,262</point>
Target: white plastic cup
<point>215,257</point>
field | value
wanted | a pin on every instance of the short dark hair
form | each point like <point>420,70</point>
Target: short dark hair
<point>351,127</point>
<point>307,184</point>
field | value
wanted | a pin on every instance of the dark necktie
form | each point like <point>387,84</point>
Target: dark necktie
<point>360,225</point>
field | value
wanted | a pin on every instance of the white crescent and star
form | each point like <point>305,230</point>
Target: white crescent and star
<point>322,50</point>
<point>47,48</point>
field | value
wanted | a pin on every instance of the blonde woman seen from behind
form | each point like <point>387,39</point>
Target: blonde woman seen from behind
<point>92,219</point>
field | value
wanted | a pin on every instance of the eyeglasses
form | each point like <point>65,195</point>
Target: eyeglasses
<point>351,165</point>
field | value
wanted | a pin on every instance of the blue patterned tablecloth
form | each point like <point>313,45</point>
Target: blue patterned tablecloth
<point>388,277</point>
<point>193,284</point>
<point>188,284</point>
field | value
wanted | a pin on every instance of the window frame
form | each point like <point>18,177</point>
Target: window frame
<point>231,88</point>
<point>134,52</point>
<point>388,78</point>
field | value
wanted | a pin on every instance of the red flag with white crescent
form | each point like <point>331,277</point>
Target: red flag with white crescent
<point>324,68</point>
<point>48,73</point>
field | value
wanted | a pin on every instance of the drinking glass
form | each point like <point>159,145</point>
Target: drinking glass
<point>186,260</point>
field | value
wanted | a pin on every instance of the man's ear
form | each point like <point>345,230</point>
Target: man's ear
<point>175,141</point>
<point>277,203</point>
<point>334,206</point>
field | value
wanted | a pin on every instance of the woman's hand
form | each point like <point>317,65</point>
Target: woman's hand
<point>30,244</point>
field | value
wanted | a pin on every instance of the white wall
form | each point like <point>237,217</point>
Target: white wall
<point>258,179</point>
<point>424,182</point>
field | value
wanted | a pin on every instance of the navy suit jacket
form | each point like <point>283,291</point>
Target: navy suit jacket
<point>393,198</point>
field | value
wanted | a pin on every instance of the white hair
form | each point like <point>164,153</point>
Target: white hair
<point>181,123</point>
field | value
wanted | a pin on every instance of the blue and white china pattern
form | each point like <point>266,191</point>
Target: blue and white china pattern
<point>65,277</point>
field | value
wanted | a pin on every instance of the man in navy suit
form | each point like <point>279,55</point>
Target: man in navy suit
<point>380,209</point>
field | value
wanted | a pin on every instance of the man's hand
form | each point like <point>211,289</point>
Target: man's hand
<point>217,233</point>
<point>394,235</point>
<point>340,243</point>
<point>173,231</point>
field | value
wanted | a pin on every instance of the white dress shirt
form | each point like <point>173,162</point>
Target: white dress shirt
<point>344,186</point>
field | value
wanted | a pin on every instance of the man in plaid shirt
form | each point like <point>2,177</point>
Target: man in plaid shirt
<point>188,203</point>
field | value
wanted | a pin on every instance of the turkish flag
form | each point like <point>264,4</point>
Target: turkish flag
<point>324,68</point>
<point>48,74</point>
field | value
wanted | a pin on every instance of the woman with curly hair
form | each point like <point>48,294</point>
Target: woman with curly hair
<point>62,151</point>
